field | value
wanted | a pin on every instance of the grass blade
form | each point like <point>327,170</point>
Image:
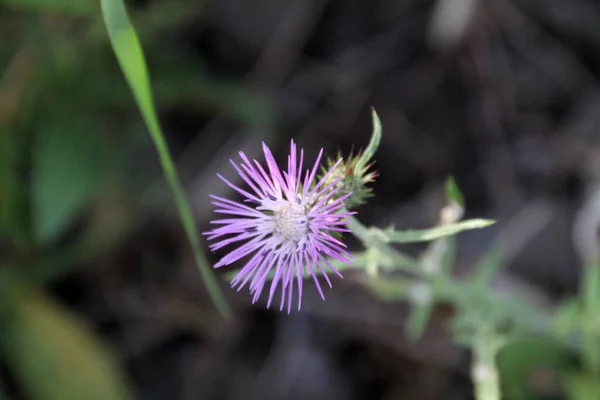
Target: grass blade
<point>130,56</point>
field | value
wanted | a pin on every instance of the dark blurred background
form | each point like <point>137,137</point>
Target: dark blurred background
<point>503,95</point>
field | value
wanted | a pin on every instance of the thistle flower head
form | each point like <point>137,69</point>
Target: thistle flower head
<point>352,177</point>
<point>286,223</point>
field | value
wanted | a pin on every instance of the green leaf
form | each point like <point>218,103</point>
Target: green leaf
<point>13,195</point>
<point>130,56</point>
<point>453,193</point>
<point>417,320</point>
<point>54,356</point>
<point>582,387</point>
<point>487,266</point>
<point>374,142</point>
<point>425,235</point>
<point>449,256</point>
<point>520,359</point>
<point>589,319</point>
<point>388,288</point>
<point>567,319</point>
<point>68,157</point>
<point>590,287</point>
<point>112,218</point>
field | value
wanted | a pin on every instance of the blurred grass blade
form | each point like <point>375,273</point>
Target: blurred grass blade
<point>53,355</point>
<point>129,53</point>
<point>488,265</point>
<point>449,256</point>
<point>425,235</point>
<point>373,142</point>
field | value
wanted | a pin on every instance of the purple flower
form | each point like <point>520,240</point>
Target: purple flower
<point>290,225</point>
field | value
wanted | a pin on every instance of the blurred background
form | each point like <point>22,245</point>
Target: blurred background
<point>503,95</point>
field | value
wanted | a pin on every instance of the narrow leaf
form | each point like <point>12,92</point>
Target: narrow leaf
<point>425,235</point>
<point>374,142</point>
<point>486,267</point>
<point>130,56</point>
<point>453,192</point>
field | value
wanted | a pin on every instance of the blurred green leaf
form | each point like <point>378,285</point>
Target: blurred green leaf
<point>581,387</point>
<point>521,359</point>
<point>389,288</point>
<point>111,218</point>
<point>425,235</point>
<point>453,192</point>
<point>130,56</point>
<point>54,356</point>
<point>76,7</point>
<point>449,256</point>
<point>486,267</point>
<point>589,320</point>
<point>567,319</point>
<point>68,157</point>
<point>590,287</point>
<point>417,320</point>
<point>13,205</point>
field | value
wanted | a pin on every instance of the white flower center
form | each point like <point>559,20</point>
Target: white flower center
<point>289,222</point>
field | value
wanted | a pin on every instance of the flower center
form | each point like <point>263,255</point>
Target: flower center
<point>291,222</point>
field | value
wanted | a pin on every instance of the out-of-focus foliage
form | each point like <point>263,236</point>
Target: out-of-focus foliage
<point>67,188</point>
<point>69,129</point>
<point>77,8</point>
<point>125,42</point>
<point>51,353</point>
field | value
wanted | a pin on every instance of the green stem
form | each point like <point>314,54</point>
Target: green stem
<point>185,214</point>
<point>484,371</point>
<point>358,229</point>
<point>373,238</point>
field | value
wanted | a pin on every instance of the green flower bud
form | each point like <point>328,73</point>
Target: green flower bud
<point>354,175</point>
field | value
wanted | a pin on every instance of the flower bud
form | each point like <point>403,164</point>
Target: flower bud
<point>355,175</point>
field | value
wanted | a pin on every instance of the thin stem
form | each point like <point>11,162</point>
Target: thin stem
<point>484,371</point>
<point>358,229</point>
<point>185,214</point>
<point>373,238</point>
